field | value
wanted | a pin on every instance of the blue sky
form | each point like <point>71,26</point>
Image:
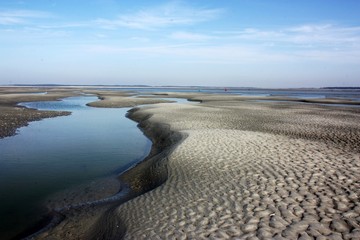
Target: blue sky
<point>245,43</point>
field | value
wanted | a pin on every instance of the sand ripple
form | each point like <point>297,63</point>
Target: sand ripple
<point>254,172</point>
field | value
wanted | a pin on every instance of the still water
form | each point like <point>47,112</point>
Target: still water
<point>349,94</point>
<point>54,154</point>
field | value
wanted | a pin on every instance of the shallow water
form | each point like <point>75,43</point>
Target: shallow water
<point>352,94</point>
<point>310,103</point>
<point>175,100</point>
<point>54,154</point>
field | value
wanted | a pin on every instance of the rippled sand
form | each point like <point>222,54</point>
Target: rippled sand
<point>253,171</point>
<point>244,170</point>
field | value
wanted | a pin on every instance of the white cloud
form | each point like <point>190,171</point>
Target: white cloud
<point>310,42</point>
<point>15,17</point>
<point>304,35</point>
<point>78,25</point>
<point>170,14</point>
<point>324,34</point>
<point>140,39</point>
<point>111,49</point>
<point>311,28</point>
<point>221,54</point>
<point>100,35</point>
<point>329,44</point>
<point>190,36</point>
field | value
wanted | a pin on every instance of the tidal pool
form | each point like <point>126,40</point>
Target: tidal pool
<point>54,154</point>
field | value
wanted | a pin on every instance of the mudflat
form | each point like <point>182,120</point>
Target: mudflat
<point>13,116</point>
<point>243,170</point>
<point>237,169</point>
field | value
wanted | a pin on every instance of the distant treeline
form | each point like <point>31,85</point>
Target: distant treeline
<point>340,88</point>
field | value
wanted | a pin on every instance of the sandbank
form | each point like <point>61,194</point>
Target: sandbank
<point>13,116</point>
<point>110,101</point>
<point>230,168</point>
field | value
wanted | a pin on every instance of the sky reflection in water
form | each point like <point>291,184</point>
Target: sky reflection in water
<point>54,154</point>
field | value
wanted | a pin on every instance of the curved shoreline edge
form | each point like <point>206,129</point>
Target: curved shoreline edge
<point>144,176</point>
<point>164,140</point>
<point>140,178</point>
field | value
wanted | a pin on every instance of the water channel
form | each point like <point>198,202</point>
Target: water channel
<point>54,154</point>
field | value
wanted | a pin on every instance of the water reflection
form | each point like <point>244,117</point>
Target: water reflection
<point>54,154</point>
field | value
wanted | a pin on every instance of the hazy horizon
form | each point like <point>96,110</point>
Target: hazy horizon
<point>258,43</point>
<point>180,86</point>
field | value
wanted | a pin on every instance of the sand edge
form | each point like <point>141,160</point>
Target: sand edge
<point>143,177</point>
<point>140,178</point>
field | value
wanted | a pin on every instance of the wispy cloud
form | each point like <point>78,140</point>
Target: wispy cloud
<point>139,39</point>
<point>226,54</point>
<point>174,13</point>
<point>170,14</point>
<point>321,43</point>
<point>15,17</point>
<point>318,42</point>
<point>324,34</point>
<point>181,35</point>
<point>156,49</point>
<point>304,35</point>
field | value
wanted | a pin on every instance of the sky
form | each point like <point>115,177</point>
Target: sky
<point>239,43</point>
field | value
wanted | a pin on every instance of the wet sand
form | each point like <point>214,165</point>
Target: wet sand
<point>120,99</point>
<point>90,196</point>
<point>123,101</point>
<point>237,169</point>
<point>13,117</point>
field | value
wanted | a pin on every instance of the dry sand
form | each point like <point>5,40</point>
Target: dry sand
<point>252,171</point>
<point>244,170</point>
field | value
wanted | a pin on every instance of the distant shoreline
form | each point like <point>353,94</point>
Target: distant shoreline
<point>179,87</point>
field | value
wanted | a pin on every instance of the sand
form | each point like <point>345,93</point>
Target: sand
<point>233,168</point>
<point>120,99</point>
<point>123,101</point>
<point>242,170</point>
<point>13,117</point>
<point>254,171</point>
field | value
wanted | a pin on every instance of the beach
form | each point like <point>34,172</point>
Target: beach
<point>231,167</point>
<point>241,170</point>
